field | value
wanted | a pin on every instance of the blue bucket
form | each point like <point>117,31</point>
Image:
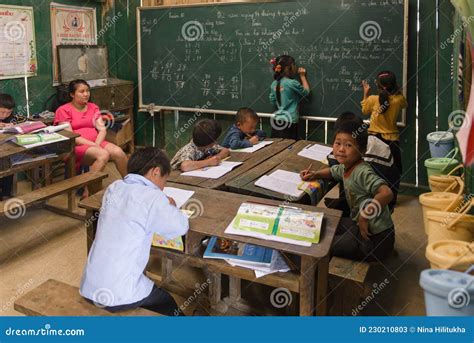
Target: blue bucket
<point>448,292</point>
<point>441,143</point>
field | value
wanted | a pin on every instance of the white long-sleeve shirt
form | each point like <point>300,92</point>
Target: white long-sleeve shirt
<point>132,210</point>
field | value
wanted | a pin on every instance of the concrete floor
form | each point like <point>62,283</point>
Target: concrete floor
<point>42,245</point>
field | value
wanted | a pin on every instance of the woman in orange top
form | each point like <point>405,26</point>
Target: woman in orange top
<point>384,110</point>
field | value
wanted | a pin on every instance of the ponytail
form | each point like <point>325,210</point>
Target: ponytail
<point>281,66</point>
<point>387,83</point>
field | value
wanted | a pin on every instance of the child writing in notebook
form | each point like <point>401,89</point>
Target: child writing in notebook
<point>244,133</point>
<point>133,209</point>
<point>6,118</point>
<point>384,110</point>
<point>369,231</point>
<point>203,150</point>
<point>285,94</point>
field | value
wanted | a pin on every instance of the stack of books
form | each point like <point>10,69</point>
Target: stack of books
<point>261,260</point>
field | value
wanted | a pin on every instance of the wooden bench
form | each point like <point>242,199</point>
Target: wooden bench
<point>55,298</point>
<point>18,204</point>
<point>346,285</point>
<point>346,277</point>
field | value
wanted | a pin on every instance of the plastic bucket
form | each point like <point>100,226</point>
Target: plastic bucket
<point>449,226</point>
<point>447,183</point>
<point>442,165</point>
<point>455,255</point>
<point>448,292</point>
<point>438,201</point>
<point>441,143</point>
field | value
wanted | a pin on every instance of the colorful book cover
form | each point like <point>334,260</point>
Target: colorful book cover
<point>226,249</point>
<point>282,221</point>
<point>175,243</point>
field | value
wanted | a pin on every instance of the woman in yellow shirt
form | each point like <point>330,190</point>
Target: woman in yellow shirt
<point>384,110</point>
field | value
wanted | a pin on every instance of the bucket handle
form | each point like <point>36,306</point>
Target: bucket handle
<point>458,167</point>
<point>448,208</point>
<point>456,181</point>
<point>455,152</point>
<point>462,211</point>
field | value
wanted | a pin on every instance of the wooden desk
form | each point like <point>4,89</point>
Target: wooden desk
<point>63,149</point>
<point>218,210</point>
<point>286,160</point>
<point>250,161</point>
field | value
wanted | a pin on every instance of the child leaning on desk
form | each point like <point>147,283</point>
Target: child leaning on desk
<point>7,104</point>
<point>203,150</point>
<point>369,231</point>
<point>244,133</point>
<point>133,209</point>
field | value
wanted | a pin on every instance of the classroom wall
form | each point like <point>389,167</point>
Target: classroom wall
<point>429,70</point>
<point>40,86</point>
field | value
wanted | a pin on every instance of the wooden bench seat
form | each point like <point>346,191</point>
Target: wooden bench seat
<point>55,298</point>
<point>90,179</point>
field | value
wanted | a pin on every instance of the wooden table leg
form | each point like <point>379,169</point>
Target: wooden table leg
<point>215,290</point>
<point>322,289</point>
<point>166,268</point>
<point>307,280</point>
<point>71,171</point>
<point>91,227</point>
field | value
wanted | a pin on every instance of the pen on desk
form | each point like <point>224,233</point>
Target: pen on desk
<point>225,159</point>
<point>307,169</point>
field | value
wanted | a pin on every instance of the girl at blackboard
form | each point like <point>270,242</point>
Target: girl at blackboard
<point>285,94</point>
<point>384,110</point>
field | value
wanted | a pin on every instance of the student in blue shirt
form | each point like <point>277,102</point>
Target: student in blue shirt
<point>133,209</point>
<point>286,94</point>
<point>244,133</point>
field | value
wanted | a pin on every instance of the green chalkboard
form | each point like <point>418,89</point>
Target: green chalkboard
<point>216,57</point>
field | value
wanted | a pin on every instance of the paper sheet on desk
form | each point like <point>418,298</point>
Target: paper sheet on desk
<point>316,152</point>
<point>254,148</point>
<point>213,172</point>
<point>180,196</point>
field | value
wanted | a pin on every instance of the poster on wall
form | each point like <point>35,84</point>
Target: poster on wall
<point>71,25</point>
<point>17,42</point>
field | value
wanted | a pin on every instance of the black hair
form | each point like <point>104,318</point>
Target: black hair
<point>281,69</point>
<point>7,101</point>
<point>347,117</point>
<point>245,113</point>
<point>75,83</point>
<point>357,131</point>
<point>387,84</point>
<point>145,159</point>
<point>206,132</point>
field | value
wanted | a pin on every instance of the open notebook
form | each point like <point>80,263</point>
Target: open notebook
<point>180,196</point>
<point>254,148</point>
<point>282,181</point>
<point>316,152</point>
